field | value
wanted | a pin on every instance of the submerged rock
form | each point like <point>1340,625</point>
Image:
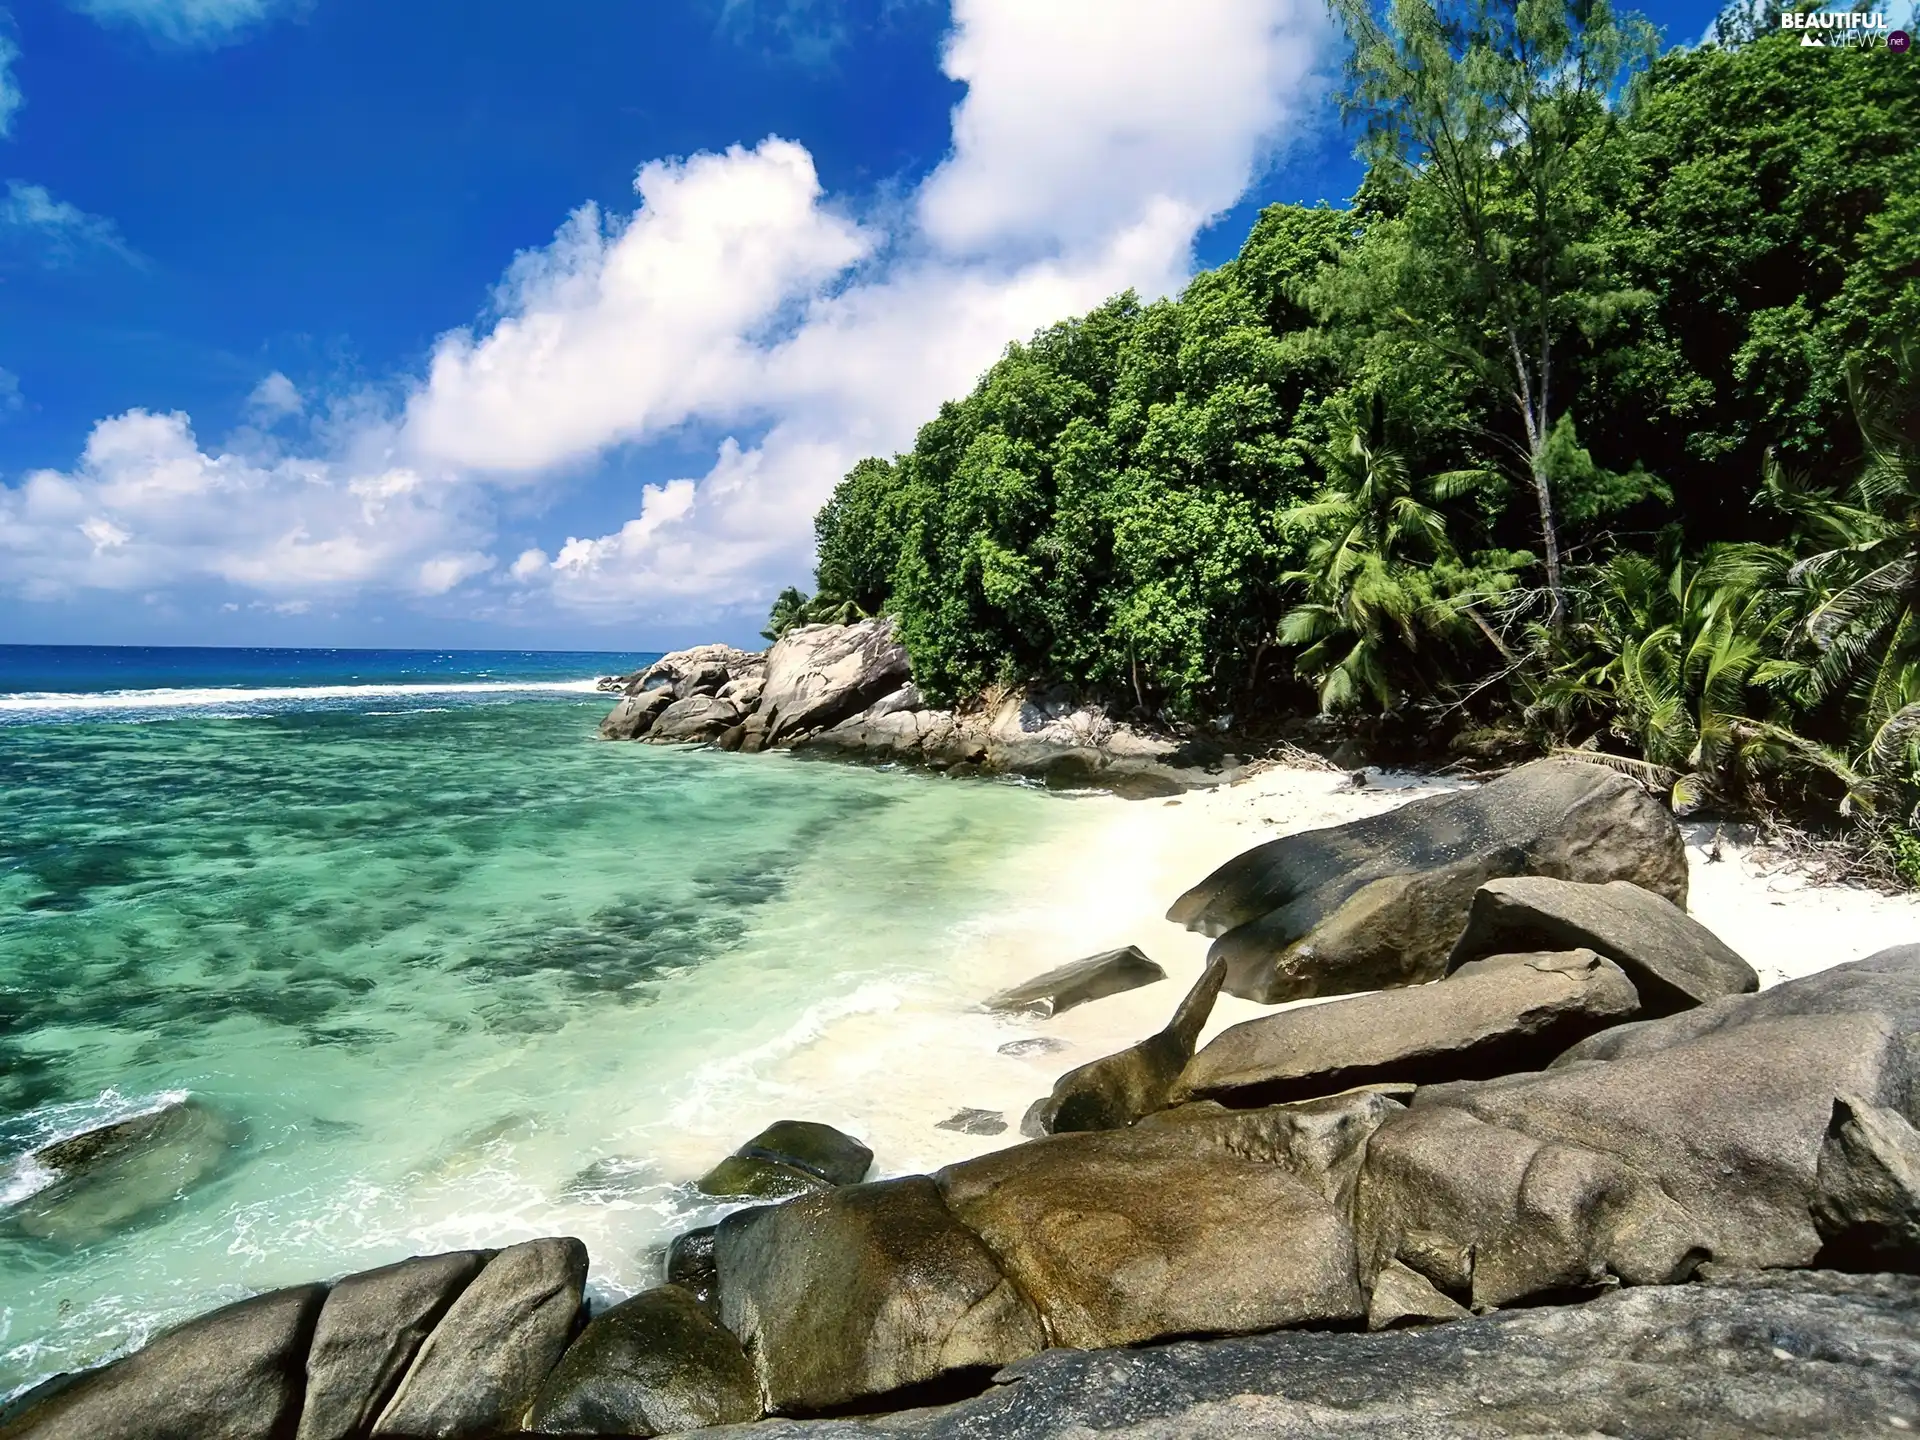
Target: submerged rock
<point>1674,961</point>
<point>789,1157</point>
<point>121,1174</point>
<point>656,1364</point>
<point>1495,1016</point>
<point>1381,901</point>
<point>850,1294</point>
<point>970,1121</point>
<point>1111,972</point>
<point>1118,1089</point>
<point>235,1374</point>
<point>478,1372</point>
<point>1789,1356</point>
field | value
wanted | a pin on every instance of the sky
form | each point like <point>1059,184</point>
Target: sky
<point>460,322</point>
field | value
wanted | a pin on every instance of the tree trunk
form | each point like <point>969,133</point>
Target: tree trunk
<point>1550,536</point>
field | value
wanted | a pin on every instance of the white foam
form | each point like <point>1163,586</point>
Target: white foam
<point>109,700</point>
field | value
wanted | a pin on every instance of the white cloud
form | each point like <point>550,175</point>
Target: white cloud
<point>57,232</point>
<point>147,506</point>
<point>11,400</point>
<point>274,399</point>
<point>1095,139</point>
<point>10,97</point>
<point>181,22</point>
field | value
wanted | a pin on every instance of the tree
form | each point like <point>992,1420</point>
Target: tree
<point>1494,114</point>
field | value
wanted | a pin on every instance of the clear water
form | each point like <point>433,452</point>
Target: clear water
<point>464,973</point>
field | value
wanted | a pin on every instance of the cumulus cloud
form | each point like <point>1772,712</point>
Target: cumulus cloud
<point>1095,139</point>
<point>57,233</point>
<point>274,399</point>
<point>147,506</point>
<point>181,22</point>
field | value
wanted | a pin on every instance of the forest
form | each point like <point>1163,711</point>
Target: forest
<point>1592,422</point>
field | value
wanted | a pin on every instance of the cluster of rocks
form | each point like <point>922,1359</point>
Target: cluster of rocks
<point>846,691</point>
<point>1567,1090</point>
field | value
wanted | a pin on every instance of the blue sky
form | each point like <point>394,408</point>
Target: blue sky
<point>457,322</point>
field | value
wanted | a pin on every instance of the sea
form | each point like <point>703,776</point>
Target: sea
<point>453,970</point>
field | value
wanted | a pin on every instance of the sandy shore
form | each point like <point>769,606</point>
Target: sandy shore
<point>892,1072</point>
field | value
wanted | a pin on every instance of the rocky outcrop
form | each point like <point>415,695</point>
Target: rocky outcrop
<point>1492,1017</point>
<point>847,1295</point>
<point>696,718</point>
<point>1675,962</point>
<point>635,714</point>
<point>789,1157</point>
<point>1381,901</point>
<point>1813,1356</point>
<point>819,675</point>
<point>118,1175</point>
<point>1118,1089</point>
<point>653,1365</point>
<point>1111,972</point>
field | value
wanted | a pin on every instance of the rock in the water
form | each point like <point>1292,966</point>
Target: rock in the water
<point>124,1173</point>
<point>848,1294</point>
<point>369,1331</point>
<point>653,1365</point>
<point>1867,1203</point>
<point>1380,901</point>
<point>789,1157</point>
<point>1034,1045</point>
<point>1118,1089</point>
<point>1401,1296</point>
<point>233,1375</point>
<point>478,1372</point>
<point>698,717</point>
<point>1514,1012</point>
<point>635,714</point>
<point>970,1121</point>
<point>1789,1356</point>
<point>1109,973</point>
<point>1216,1226</point>
<point>1674,961</point>
<point>819,675</point>
<point>690,1266</point>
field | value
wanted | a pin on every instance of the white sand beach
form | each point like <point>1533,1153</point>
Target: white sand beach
<point>892,1072</point>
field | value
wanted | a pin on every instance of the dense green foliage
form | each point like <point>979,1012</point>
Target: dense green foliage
<point>1589,418</point>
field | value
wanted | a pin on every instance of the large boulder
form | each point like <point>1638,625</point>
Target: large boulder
<point>1118,1089</point>
<point>1675,962</point>
<point>1511,1012</point>
<point>698,670</point>
<point>789,1157</point>
<point>368,1334</point>
<point>233,1375</point>
<point>477,1374</point>
<point>122,1174</point>
<point>1380,901</point>
<point>819,675</point>
<point>1109,973</point>
<point>656,1364</point>
<point>696,718</point>
<point>1222,1224</point>
<point>1646,1148</point>
<point>1867,1190</point>
<point>850,1294</point>
<point>1808,1356</point>
<point>635,714</point>
<point>690,1267</point>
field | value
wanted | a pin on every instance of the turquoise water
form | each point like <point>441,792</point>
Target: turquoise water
<point>462,973</point>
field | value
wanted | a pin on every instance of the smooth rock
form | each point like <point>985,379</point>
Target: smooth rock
<point>1112,972</point>
<point>1867,1201</point>
<point>1118,1089</point>
<point>690,1266</point>
<point>1674,961</point>
<point>740,1178</point>
<point>235,1374</point>
<point>790,1157</point>
<point>1789,1356</point>
<point>698,717</point>
<point>369,1331</point>
<point>1402,1296</point>
<point>125,1173</point>
<point>1380,902</point>
<point>849,1294</point>
<point>656,1364</point>
<point>819,675</point>
<point>1516,1012</point>
<point>478,1372</point>
<point>1124,1236</point>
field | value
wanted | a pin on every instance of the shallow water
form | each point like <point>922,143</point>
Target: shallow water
<point>463,973</point>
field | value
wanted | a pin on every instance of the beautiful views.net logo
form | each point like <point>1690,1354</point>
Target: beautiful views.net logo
<point>1845,29</point>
